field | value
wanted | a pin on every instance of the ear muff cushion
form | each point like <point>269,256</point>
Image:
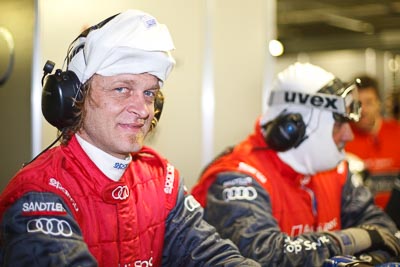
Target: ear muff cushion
<point>58,96</point>
<point>285,132</point>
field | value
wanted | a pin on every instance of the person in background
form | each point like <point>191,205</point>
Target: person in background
<point>392,104</point>
<point>285,195</point>
<point>376,142</point>
<point>102,198</point>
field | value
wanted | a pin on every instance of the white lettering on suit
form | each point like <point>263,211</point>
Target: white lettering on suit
<point>169,179</point>
<point>42,206</point>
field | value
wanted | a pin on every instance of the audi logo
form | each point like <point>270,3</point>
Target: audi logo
<point>239,193</point>
<point>50,226</point>
<point>120,192</point>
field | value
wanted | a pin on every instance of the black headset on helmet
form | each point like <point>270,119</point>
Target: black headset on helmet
<point>285,131</point>
<point>62,89</point>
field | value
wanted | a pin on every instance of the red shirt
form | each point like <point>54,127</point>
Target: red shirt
<point>381,154</point>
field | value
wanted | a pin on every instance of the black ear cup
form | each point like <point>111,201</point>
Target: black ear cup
<point>285,132</point>
<point>59,94</point>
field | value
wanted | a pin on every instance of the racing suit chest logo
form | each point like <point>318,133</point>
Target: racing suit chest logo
<point>116,193</point>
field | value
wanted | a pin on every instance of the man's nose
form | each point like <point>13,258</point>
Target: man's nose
<point>347,133</point>
<point>138,105</point>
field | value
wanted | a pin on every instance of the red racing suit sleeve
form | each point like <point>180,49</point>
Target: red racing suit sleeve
<point>249,223</point>
<point>190,241</point>
<point>39,230</point>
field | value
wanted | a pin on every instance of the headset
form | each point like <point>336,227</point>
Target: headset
<point>285,132</point>
<point>63,89</point>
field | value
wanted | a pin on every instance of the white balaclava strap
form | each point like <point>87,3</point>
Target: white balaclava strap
<point>318,152</point>
<point>132,42</point>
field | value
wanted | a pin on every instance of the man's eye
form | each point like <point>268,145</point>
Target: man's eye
<point>151,94</point>
<point>121,89</point>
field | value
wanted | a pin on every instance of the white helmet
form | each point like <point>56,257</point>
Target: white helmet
<point>312,92</point>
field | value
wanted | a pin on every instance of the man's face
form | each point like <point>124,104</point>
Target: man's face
<point>342,134</point>
<point>119,111</point>
<point>370,109</point>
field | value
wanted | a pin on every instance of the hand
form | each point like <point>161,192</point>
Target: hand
<point>367,238</point>
<point>382,239</point>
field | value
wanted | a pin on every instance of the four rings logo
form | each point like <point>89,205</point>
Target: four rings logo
<point>239,193</point>
<point>120,192</point>
<point>49,226</point>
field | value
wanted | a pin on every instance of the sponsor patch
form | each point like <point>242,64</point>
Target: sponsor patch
<point>321,101</point>
<point>321,227</point>
<point>247,168</point>
<point>143,263</point>
<point>298,245</point>
<point>35,208</point>
<point>120,166</point>
<point>116,193</point>
<point>244,181</point>
<point>169,179</point>
<point>53,182</point>
<point>120,192</point>
<point>149,21</point>
<point>239,193</point>
<point>345,239</point>
<point>49,226</point>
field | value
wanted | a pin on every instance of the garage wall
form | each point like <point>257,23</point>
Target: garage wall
<point>17,18</point>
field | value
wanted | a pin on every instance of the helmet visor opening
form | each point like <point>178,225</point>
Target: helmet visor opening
<point>349,95</point>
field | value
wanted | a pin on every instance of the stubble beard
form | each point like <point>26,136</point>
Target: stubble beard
<point>137,141</point>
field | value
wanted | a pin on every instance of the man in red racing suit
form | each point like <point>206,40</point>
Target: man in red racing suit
<point>268,205</point>
<point>102,198</point>
<point>63,203</point>
<point>294,206</point>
